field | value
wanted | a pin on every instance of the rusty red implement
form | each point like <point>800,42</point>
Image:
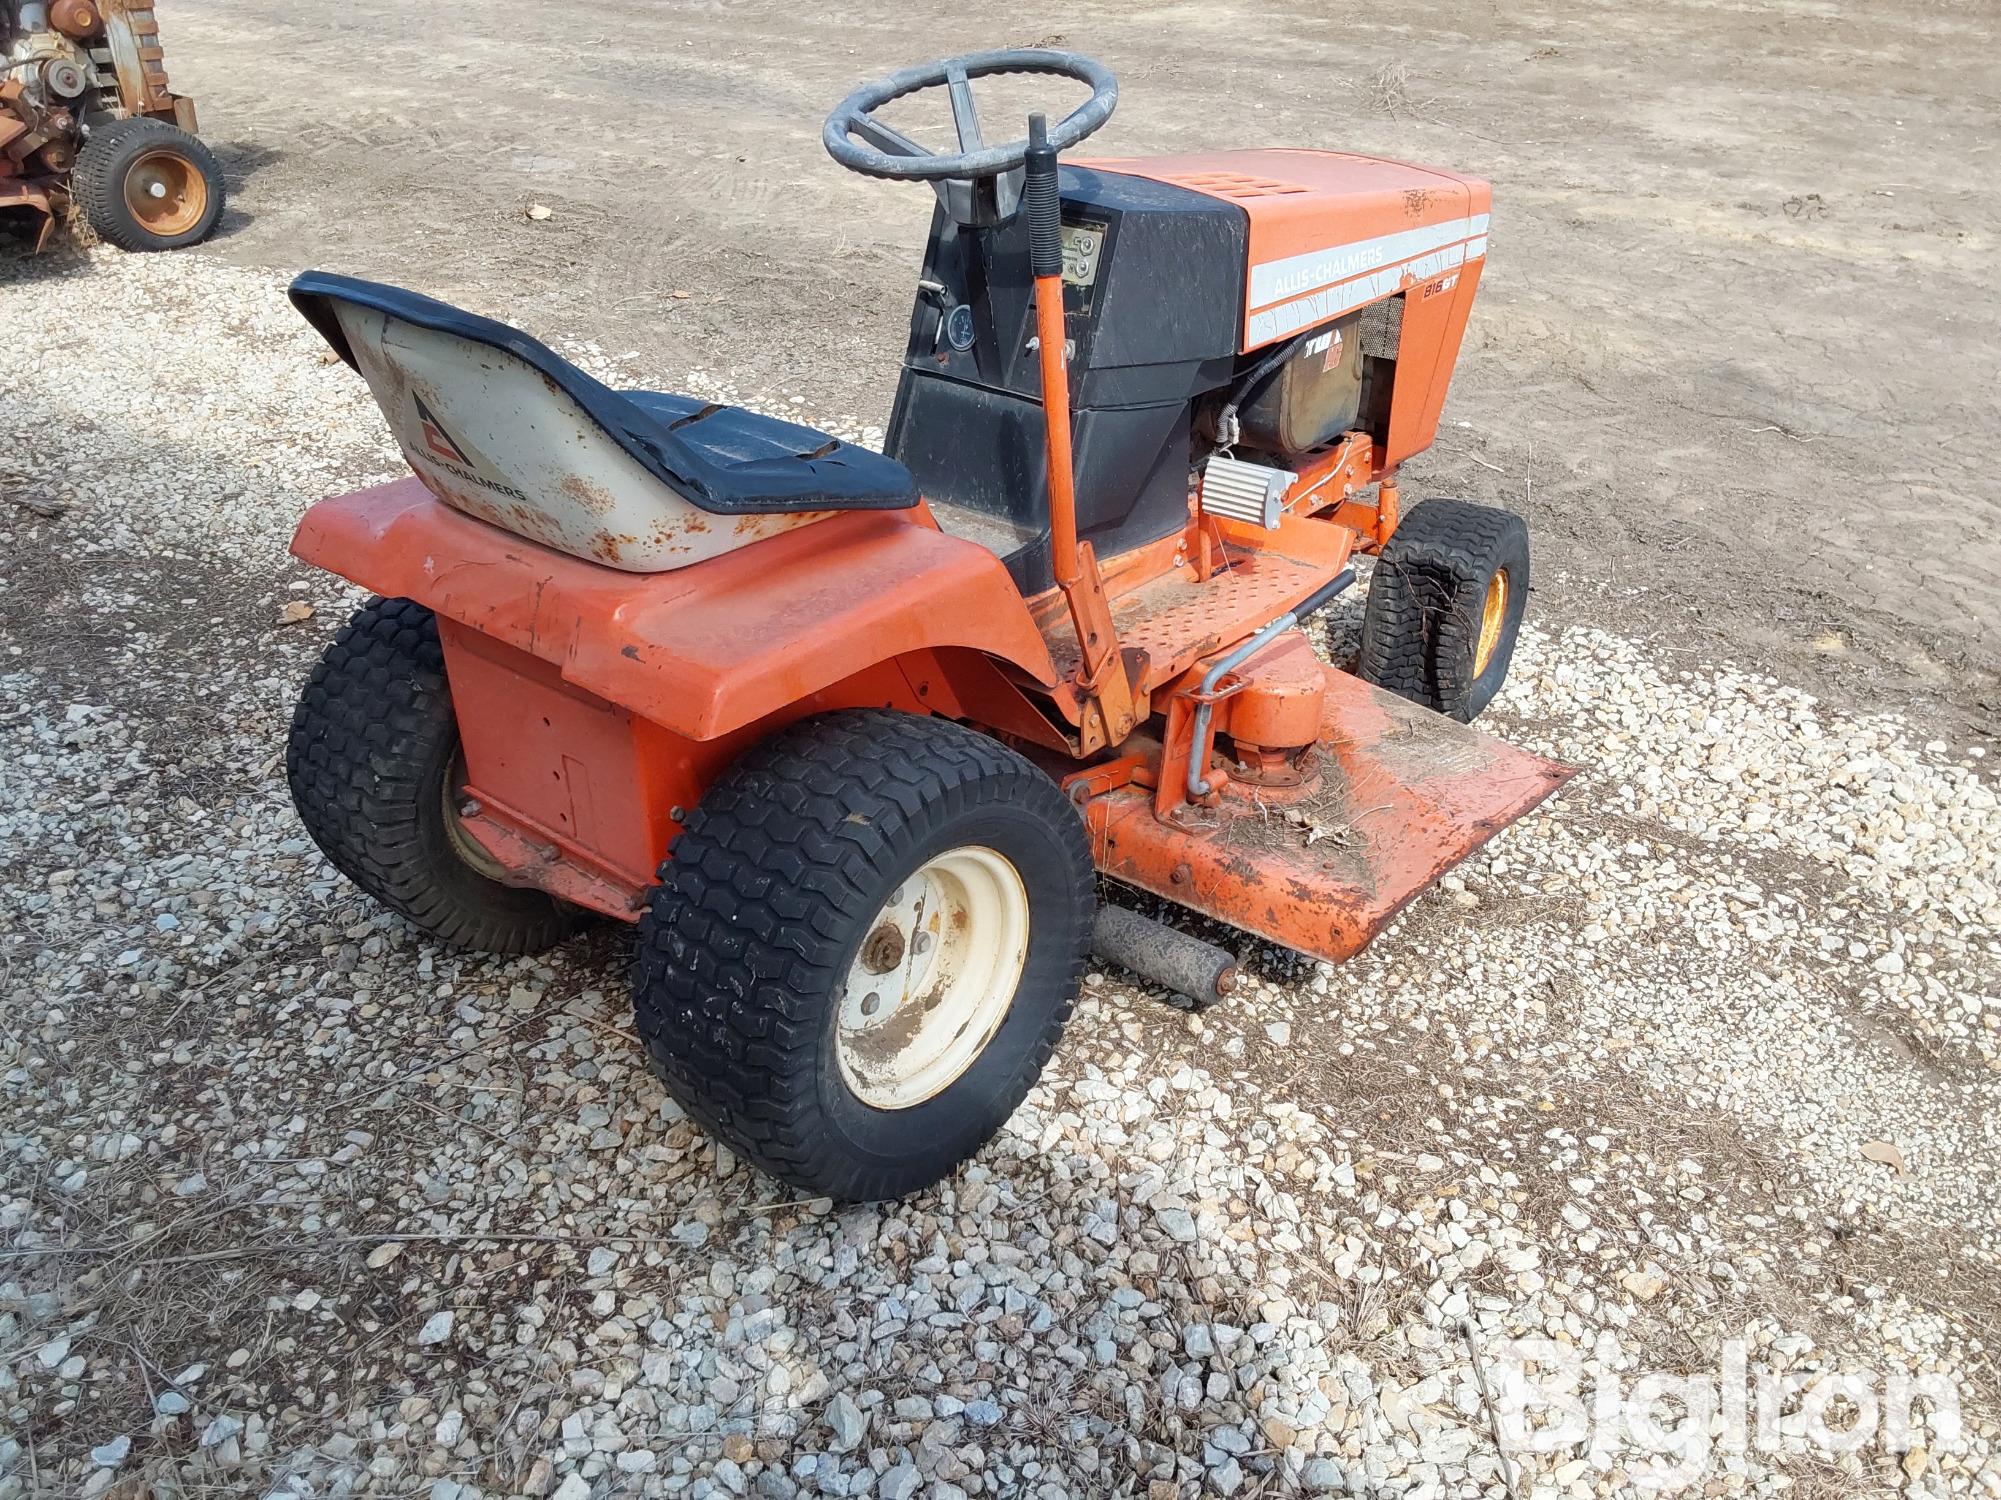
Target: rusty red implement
<point>88,118</point>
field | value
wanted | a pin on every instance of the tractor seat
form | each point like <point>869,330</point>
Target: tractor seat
<point>733,438</point>
<point>497,425</point>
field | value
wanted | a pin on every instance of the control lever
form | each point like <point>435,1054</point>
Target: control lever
<point>1101,669</point>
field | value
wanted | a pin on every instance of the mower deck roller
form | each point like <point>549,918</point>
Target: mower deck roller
<point>850,736</point>
<point>1163,955</point>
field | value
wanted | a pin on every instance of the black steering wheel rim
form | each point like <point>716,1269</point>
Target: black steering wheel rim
<point>907,161</point>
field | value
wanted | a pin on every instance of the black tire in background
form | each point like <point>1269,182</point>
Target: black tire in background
<point>780,876</point>
<point>146,185</point>
<point>1445,606</point>
<point>374,766</point>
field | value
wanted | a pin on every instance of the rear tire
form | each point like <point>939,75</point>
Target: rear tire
<point>146,185</point>
<point>374,767</point>
<point>776,909</point>
<point>1445,606</point>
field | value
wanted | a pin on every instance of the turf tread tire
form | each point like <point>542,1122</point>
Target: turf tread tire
<point>97,184</point>
<point>1422,622</point>
<point>761,907</point>
<point>372,739</point>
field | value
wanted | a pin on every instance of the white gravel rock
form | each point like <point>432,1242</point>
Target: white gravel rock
<point>110,1455</point>
<point>844,1419</point>
<point>437,1328</point>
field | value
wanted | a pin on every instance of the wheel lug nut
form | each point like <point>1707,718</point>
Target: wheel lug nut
<point>882,950</point>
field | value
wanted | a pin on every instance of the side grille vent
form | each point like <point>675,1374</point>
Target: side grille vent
<point>1234,184</point>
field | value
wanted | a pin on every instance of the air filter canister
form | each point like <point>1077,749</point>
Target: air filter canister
<point>1244,492</point>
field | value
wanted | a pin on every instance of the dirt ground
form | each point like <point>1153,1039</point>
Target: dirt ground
<point>1733,355</point>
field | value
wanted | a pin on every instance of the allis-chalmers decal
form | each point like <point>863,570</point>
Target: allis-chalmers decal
<point>441,449</point>
<point>436,438</point>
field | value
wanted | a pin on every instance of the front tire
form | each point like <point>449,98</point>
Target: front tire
<point>864,949</point>
<point>146,185</point>
<point>375,771</point>
<point>1445,606</point>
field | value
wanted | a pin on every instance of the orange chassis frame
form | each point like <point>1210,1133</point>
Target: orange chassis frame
<point>596,706</point>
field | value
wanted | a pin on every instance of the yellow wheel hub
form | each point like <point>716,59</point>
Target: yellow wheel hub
<point>1493,615</point>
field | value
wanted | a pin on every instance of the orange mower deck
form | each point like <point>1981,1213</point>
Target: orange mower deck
<point>1401,796</point>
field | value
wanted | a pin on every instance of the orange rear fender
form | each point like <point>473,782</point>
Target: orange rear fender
<point>706,650</point>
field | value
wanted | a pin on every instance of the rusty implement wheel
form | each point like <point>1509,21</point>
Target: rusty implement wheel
<point>148,185</point>
<point>164,192</point>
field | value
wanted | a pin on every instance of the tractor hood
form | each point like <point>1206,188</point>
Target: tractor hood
<point>1330,232</point>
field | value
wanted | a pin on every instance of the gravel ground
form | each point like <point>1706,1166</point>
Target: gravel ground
<point>1698,1064</point>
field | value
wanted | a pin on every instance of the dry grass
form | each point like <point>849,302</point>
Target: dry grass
<point>1387,91</point>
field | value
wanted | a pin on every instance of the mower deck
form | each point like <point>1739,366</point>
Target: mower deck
<point>1400,796</point>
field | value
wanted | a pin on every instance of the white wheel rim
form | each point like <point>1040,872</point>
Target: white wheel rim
<point>933,979</point>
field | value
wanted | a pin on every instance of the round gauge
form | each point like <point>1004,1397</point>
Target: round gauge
<point>959,327</point>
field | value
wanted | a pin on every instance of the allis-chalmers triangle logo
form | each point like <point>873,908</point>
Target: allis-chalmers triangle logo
<point>437,440</point>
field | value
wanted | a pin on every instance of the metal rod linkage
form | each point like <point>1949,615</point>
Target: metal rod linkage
<point>1198,781</point>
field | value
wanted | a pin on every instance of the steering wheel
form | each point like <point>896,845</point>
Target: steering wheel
<point>892,154</point>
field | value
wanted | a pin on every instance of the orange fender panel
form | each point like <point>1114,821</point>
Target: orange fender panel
<point>704,650</point>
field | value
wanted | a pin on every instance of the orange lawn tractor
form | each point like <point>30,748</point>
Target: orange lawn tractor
<point>851,736</point>
<point>87,116</point>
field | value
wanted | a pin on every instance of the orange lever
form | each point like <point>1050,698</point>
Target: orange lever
<point>1101,671</point>
<point>1056,426</point>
